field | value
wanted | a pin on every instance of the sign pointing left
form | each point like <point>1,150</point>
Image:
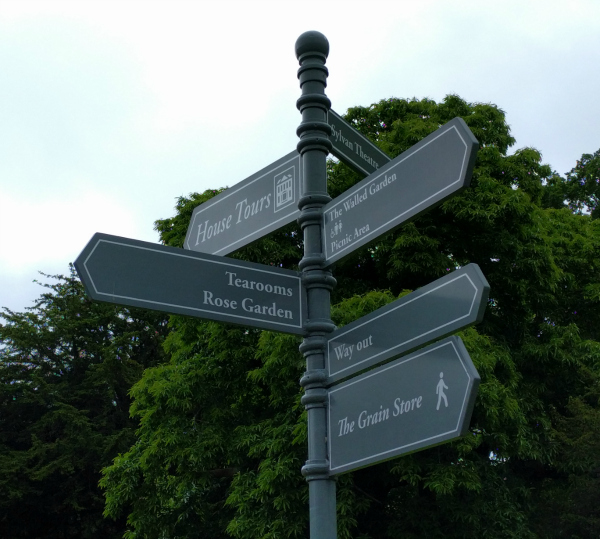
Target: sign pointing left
<point>251,209</point>
<point>150,276</point>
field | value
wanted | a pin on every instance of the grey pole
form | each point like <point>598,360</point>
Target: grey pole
<point>312,49</point>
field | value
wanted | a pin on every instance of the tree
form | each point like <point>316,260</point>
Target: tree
<point>66,367</point>
<point>581,190</point>
<point>222,432</point>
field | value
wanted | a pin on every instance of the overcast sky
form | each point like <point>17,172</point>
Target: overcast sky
<point>109,111</point>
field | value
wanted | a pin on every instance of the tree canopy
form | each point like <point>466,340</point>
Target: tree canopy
<point>221,431</point>
<point>223,435</point>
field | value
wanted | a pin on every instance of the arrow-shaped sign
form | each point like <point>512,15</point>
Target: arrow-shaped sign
<point>249,210</point>
<point>141,274</point>
<point>416,401</point>
<point>431,171</point>
<point>438,309</point>
<point>354,149</point>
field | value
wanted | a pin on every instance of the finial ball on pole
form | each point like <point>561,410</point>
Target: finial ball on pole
<point>312,41</point>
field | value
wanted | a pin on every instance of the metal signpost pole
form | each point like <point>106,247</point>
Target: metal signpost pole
<point>312,49</point>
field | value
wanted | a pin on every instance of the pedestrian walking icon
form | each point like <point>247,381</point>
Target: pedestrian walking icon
<point>440,392</point>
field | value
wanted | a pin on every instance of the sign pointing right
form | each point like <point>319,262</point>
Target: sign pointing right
<point>433,170</point>
<point>416,401</point>
<point>352,147</point>
<point>440,308</point>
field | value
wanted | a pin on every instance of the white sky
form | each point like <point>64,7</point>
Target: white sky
<point>110,110</point>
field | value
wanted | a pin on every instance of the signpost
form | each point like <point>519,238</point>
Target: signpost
<point>434,311</point>
<point>141,274</point>
<point>414,402</point>
<point>431,171</point>
<point>351,147</point>
<point>256,206</point>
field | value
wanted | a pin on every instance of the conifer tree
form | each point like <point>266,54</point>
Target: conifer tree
<point>66,367</point>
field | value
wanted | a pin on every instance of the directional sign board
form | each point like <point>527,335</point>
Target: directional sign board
<point>141,274</point>
<point>431,171</point>
<point>249,210</point>
<point>414,402</point>
<point>434,311</point>
<point>352,147</point>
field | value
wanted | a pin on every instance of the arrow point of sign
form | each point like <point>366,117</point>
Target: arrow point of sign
<point>484,288</point>
<point>472,143</point>
<point>473,388</point>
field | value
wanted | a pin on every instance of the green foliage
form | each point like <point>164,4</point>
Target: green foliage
<point>66,367</point>
<point>584,185</point>
<point>222,432</point>
<point>581,188</point>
